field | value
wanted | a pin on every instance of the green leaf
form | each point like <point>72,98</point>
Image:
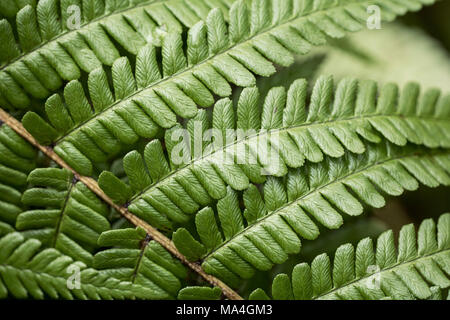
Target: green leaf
<point>282,289</point>
<point>17,159</point>
<point>422,276</point>
<point>199,293</point>
<point>114,187</point>
<point>278,233</point>
<point>191,248</point>
<point>64,214</point>
<point>258,294</point>
<point>41,51</point>
<point>184,85</point>
<point>26,271</point>
<point>137,259</point>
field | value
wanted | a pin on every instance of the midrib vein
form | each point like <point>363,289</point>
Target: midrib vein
<point>63,212</point>
<point>94,187</point>
<point>141,256</point>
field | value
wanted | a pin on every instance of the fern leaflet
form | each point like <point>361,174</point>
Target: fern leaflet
<point>50,49</point>
<point>64,213</point>
<point>164,193</point>
<point>17,159</point>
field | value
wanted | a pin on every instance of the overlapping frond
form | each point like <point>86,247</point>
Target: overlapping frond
<point>232,242</point>
<point>49,42</point>
<point>63,213</point>
<point>281,134</point>
<point>137,259</point>
<point>28,272</point>
<point>17,159</point>
<point>187,74</point>
<point>416,270</point>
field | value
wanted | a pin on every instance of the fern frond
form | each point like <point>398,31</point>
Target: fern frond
<point>41,50</point>
<point>27,272</point>
<point>216,55</point>
<point>64,213</point>
<point>233,243</point>
<point>17,159</point>
<point>93,186</point>
<point>164,193</point>
<point>137,259</point>
<point>417,270</point>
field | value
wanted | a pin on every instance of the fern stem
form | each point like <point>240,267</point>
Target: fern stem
<point>63,211</point>
<point>93,186</point>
